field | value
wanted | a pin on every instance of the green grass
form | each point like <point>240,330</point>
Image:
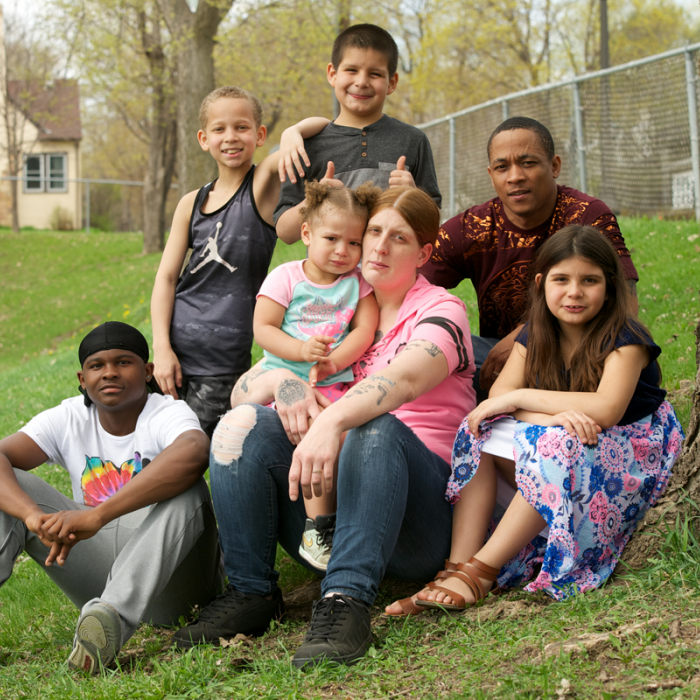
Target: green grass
<point>66,283</point>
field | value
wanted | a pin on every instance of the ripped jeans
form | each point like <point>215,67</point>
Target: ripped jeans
<point>392,517</point>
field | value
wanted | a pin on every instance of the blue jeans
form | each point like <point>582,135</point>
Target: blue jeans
<point>392,517</point>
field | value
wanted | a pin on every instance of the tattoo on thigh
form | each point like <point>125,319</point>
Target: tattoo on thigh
<point>290,391</point>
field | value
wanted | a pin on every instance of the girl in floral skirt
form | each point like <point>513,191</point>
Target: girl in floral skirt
<point>585,448</point>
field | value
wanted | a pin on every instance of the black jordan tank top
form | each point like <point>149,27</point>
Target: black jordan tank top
<point>212,326</point>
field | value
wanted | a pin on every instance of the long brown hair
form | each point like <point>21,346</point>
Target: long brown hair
<point>544,366</point>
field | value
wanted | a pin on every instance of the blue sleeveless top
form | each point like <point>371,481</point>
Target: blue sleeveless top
<point>211,330</point>
<point>648,395</point>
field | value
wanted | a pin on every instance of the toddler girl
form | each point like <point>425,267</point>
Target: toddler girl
<point>317,316</point>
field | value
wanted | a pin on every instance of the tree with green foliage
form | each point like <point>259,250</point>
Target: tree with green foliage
<point>122,49</point>
<point>193,32</point>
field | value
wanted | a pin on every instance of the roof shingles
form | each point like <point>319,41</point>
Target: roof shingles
<point>54,110</point>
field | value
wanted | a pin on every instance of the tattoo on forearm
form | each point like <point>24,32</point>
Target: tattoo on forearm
<point>374,383</point>
<point>242,384</point>
<point>290,391</point>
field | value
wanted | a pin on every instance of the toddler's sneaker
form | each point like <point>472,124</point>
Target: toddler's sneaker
<point>97,639</point>
<point>317,541</point>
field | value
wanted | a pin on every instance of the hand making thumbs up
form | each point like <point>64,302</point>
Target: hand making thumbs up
<point>401,177</point>
<point>329,179</point>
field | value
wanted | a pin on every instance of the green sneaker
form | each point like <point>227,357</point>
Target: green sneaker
<point>317,541</point>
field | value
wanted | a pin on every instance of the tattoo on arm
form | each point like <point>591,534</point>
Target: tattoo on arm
<point>376,382</point>
<point>432,349</point>
<point>242,383</point>
<point>290,391</point>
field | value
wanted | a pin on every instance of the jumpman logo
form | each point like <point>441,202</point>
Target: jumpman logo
<point>211,251</point>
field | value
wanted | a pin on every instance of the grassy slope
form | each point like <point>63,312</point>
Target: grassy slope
<point>55,286</point>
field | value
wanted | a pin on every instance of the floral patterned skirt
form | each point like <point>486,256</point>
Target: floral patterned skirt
<point>591,497</point>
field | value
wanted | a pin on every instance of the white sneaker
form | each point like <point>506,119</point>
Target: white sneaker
<point>317,541</point>
<point>97,639</point>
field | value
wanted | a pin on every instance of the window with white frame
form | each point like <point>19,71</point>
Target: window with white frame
<point>46,172</point>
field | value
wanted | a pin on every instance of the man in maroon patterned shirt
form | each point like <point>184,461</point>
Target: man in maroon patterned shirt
<point>493,244</point>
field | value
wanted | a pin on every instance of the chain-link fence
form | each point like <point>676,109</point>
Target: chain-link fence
<point>628,135</point>
<point>98,204</point>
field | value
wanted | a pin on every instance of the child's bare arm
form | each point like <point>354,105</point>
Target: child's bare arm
<point>167,367</point>
<point>603,407</point>
<point>291,151</point>
<point>363,327</point>
<point>267,322</point>
<point>271,171</point>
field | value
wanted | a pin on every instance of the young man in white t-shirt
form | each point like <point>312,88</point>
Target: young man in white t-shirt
<point>139,540</point>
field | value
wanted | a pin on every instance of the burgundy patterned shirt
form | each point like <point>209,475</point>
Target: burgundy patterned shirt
<point>482,245</point>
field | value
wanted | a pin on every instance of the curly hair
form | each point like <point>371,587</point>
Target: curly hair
<point>358,202</point>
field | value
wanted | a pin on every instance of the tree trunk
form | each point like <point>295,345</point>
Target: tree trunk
<point>162,139</point>
<point>14,199</point>
<point>683,488</point>
<point>161,166</point>
<point>194,33</point>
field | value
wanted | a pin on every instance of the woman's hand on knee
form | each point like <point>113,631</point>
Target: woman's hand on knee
<point>579,424</point>
<point>313,462</point>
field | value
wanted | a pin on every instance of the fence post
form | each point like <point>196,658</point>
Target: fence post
<point>505,110</point>
<point>693,120</point>
<point>452,167</point>
<point>87,207</point>
<point>578,122</point>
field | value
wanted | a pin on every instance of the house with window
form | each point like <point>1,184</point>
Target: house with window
<point>48,119</point>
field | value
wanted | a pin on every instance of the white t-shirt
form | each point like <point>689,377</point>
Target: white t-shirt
<point>99,463</point>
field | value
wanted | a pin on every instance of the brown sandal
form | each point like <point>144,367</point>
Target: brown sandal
<point>408,607</point>
<point>463,574</point>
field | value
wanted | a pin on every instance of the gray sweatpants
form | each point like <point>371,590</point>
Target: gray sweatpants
<point>152,565</point>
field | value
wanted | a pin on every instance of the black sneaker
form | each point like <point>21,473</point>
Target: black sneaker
<point>340,632</point>
<point>230,614</point>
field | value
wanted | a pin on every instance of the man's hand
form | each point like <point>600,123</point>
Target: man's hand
<point>296,404</point>
<point>58,551</point>
<point>317,348</point>
<point>329,177</point>
<point>71,526</point>
<point>401,177</point>
<point>496,360</point>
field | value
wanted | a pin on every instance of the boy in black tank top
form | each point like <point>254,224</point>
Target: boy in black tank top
<point>203,315</point>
